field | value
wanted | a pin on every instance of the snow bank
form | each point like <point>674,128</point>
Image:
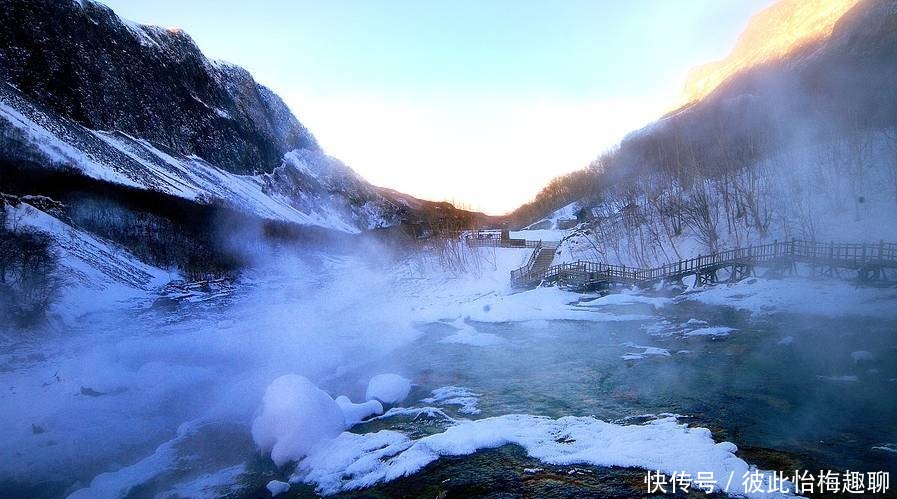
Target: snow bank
<point>98,272</point>
<point>356,413</point>
<point>468,335</point>
<point>827,298</point>
<point>296,416</point>
<point>354,461</point>
<point>630,298</point>
<point>388,388</point>
<point>543,303</point>
<point>119,483</point>
<point>711,331</point>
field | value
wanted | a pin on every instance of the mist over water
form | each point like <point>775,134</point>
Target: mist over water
<point>107,389</point>
<point>161,395</point>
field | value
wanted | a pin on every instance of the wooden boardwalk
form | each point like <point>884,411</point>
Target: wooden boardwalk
<point>868,260</point>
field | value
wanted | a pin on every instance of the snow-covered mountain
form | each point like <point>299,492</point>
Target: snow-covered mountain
<point>798,138</point>
<point>774,34</point>
<point>82,90</point>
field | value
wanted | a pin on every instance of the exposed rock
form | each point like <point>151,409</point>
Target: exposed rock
<point>85,63</point>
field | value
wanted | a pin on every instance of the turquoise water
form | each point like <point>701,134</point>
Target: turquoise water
<point>792,391</point>
<point>789,390</point>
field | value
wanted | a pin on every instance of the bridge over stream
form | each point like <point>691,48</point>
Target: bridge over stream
<point>868,260</point>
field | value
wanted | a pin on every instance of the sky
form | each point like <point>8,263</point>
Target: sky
<point>476,102</point>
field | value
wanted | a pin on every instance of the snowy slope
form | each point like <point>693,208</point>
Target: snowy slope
<point>817,192</point>
<point>83,90</point>
<point>95,272</point>
<point>567,212</point>
<point>308,187</point>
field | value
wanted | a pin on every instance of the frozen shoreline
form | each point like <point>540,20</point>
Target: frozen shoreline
<point>274,324</point>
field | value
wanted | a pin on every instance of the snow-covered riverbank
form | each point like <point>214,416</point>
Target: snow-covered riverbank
<point>130,397</point>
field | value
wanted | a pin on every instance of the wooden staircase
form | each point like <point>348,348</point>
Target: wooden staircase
<point>544,256</point>
<point>539,262</point>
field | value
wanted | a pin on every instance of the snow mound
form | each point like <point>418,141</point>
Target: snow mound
<point>388,388</point>
<point>296,416</point>
<point>354,461</point>
<point>356,413</point>
<point>276,487</point>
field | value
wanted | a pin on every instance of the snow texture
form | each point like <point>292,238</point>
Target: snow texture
<point>465,399</point>
<point>276,487</point>
<point>828,298</point>
<point>354,461</point>
<point>97,271</point>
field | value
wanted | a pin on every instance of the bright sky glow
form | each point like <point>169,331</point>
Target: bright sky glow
<point>479,103</point>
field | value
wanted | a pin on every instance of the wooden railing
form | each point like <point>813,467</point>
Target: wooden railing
<point>522,271</point>
<point>851,256</point>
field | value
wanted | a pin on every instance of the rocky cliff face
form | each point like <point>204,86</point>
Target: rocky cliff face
<point>776,33</point>
<point>85,92</point>
<point>84,63</point>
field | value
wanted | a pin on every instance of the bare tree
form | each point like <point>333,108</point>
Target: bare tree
<point>29,280</point>
<point>890,135</point>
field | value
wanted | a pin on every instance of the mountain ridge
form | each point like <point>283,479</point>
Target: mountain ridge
<point>84,90</point>
<point>778,32</point>
<point>84,62</point>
